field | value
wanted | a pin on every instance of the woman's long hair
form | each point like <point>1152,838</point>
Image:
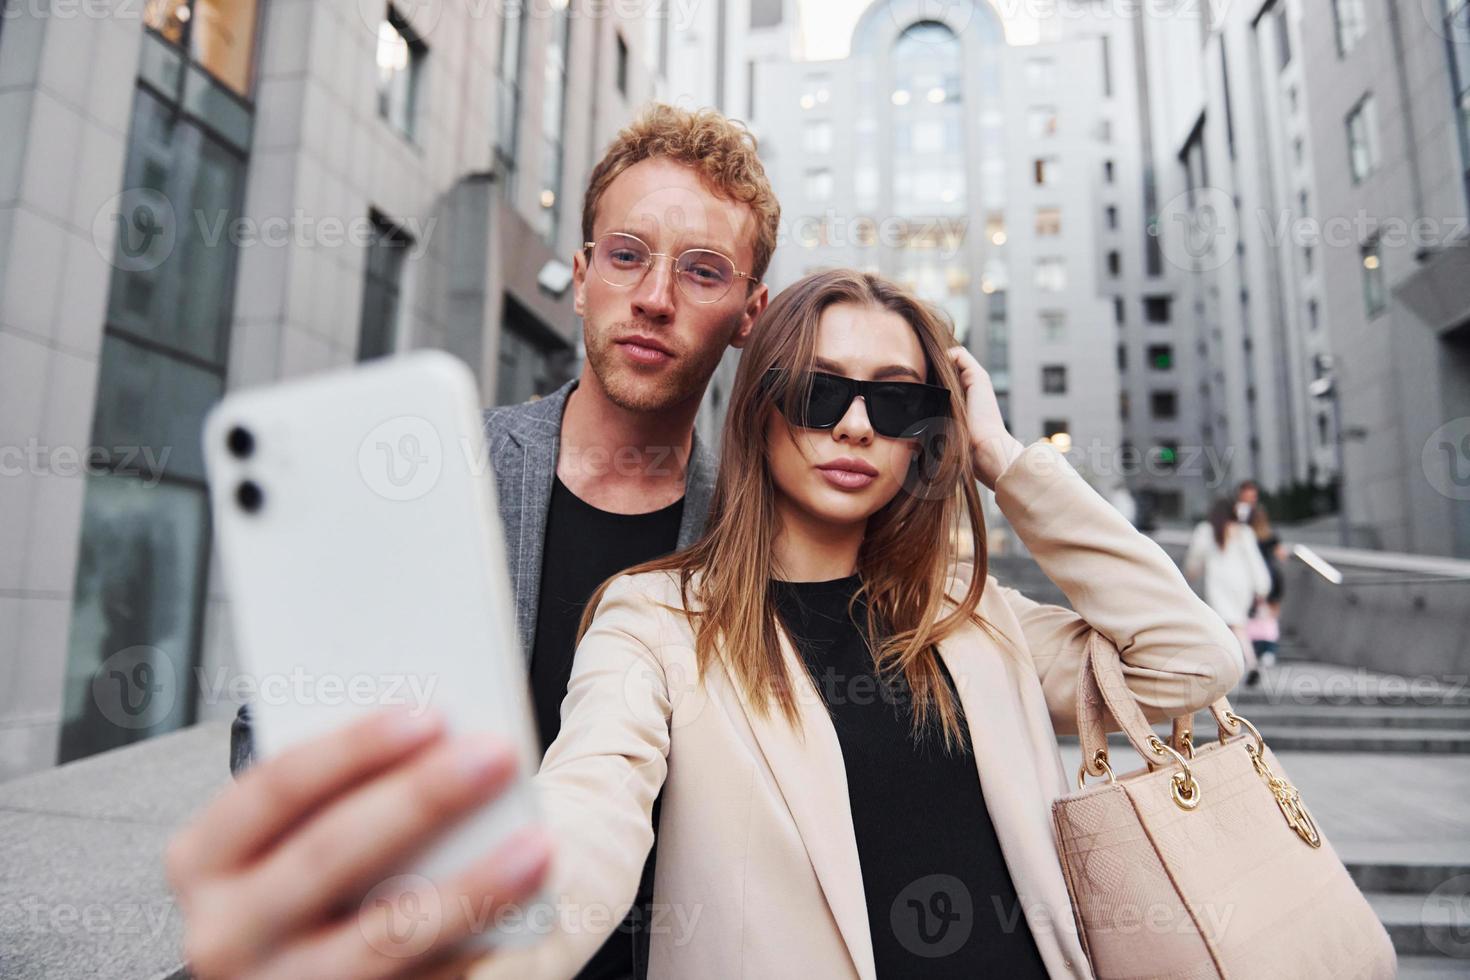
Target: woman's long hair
<point>907,554</point>
<point>1222,516</point>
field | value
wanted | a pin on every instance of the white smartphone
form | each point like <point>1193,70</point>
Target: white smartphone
<point>360,541</point>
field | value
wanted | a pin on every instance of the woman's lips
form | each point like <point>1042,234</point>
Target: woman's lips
<point>846,479</point>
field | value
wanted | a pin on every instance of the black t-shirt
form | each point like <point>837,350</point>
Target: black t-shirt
<point>940,898</point>
<point>584,547</point>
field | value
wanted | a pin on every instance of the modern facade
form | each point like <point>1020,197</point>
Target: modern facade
<point>219,193</point>
<point>972,170</point>
<point>1312,161</point>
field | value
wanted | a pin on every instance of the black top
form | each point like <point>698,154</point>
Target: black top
<point>939,895</point>
<point>584,546</point>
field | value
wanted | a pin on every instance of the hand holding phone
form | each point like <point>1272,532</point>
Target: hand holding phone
<point>288,873</point>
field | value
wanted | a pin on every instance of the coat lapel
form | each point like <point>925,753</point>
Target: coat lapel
<point>808,769</point>
<point>1020,773</point>
<point>699,486</point>
<point>525,465</point>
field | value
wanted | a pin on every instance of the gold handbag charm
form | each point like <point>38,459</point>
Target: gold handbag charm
<point>1288,800</point>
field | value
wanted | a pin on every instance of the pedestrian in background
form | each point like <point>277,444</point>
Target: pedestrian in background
<point>1224,557</point>
<point>1264,628</point>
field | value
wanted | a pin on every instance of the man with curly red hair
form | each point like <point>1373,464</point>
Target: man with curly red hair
<point>678,226</point>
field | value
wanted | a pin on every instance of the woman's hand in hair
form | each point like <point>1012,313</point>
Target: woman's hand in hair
<point>992,447</point>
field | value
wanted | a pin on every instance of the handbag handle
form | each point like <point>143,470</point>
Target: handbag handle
<point>1101,687</point>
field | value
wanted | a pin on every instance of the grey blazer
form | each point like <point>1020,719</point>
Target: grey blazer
<point>523,442</point>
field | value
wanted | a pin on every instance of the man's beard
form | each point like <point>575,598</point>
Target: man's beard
<point>682,378</point>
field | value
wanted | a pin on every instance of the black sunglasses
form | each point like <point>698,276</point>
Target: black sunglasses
<point>897,409</point>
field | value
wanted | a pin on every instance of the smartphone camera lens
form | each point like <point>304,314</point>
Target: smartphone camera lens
<point>249,496</point>
<point>240,442</point>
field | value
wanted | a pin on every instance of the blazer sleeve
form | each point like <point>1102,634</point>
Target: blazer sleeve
<point>596,786</point>
<point>1177,654</point>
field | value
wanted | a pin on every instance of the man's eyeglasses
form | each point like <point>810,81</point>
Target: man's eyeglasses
<point>897,409</point>
<point>620,259</point>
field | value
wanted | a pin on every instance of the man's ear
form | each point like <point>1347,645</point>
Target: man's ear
<point>755,304</point>
<point>579,282</point>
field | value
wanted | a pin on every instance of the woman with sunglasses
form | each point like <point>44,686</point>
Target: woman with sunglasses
<point>852,732</point>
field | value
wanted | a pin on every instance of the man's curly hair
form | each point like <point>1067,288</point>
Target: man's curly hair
<point>721,150</point>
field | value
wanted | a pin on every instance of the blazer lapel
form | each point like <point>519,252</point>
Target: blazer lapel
<point>1020,775</point>
<point>525,465</point>
<point>699,486</point>
<point>808,768</point>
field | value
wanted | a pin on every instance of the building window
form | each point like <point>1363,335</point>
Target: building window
<point>553,112</point>
<point>1166,454</point>
<point>1351,22</point>
<point>1048,221</point>
<point>382,289</point>
<point>1374,296</point>
<point>218,34</point>
<point>532,360</point>
<point>1124,405</point>
<point>1120,311</point>
<point>1041,121</point>
<point>1047,171</point>
<point>1110,217</point>
<point>1362,135</point>
<point>1156,309</point>
<point>1122,357</point>
<point>1058,433</point>
<point>1108,171</point>
<point>622,66</point>
<point>1163,404</point>
<point>1054,379</point>
<point>1283,40</point>
<point>508,94</point>
<point>1051,274</point>
<point>1115,264</point>
<point>1312,314</point>
<point>1041,73</point>
<point>137,599</point>
<point>817,136</point>
<point>400,67</point>
<point>817,185</point>
<point>1161,356</point>
<point>1308,254</point>
<point>1054,326</point>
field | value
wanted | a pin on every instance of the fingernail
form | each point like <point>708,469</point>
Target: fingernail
<point>408,726</point>
<point>522,858</point>
<point>481,756</point>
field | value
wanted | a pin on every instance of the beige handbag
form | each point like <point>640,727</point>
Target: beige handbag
<point>1206,863</point>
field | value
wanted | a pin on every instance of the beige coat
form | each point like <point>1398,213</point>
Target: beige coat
<point>758,871</point>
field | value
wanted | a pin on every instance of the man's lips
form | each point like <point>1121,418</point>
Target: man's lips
<point>645,349</point>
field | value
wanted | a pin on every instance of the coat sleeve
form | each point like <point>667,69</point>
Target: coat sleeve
<point>597,785</point>
<point>1177,654</point>
<point>1194,558</point>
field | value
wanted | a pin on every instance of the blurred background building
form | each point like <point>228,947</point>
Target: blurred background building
<point>225,193</point>
<point>1201,244</point>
